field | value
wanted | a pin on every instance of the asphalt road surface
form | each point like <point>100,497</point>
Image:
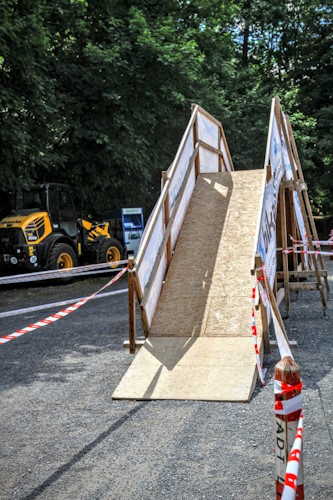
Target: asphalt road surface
<point>63,438</point>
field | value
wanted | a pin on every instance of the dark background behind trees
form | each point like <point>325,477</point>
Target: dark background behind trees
<point>97,93</point>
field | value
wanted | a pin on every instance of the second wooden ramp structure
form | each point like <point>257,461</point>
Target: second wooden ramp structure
<point>200,345</point>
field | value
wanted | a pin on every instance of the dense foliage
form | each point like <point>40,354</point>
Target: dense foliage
<point>96,93</point>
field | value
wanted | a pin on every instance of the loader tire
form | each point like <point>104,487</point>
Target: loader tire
<point>110,251</point>
<point>62,256</point>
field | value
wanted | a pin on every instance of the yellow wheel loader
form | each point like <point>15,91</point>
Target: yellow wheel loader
<point>44,233</point>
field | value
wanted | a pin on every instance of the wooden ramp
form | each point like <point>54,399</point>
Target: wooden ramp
<point>200,344</point>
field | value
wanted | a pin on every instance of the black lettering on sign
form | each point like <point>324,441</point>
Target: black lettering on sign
<point>279,427</point>
<point>270,225</point>
<point>280,449</point>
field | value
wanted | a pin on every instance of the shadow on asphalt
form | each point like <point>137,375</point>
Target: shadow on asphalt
<point>82,453</point>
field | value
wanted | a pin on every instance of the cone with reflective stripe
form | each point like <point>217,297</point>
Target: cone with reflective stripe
<point>288,407</point>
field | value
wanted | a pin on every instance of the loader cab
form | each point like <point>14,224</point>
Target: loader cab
<point>56,200</point>
<point>61,209</point>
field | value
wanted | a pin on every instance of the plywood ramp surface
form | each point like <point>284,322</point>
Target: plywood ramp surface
<point>200,345</point>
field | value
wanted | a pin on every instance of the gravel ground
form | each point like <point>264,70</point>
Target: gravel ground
<point>63,437</point>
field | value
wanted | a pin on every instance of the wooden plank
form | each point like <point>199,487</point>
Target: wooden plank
<point>208,283</point>
<point>301,274</point>
<point>272,300</point>
<point>259,215</point>
<point>200,345</point>
<point>303,286</point>
<point>291,185</point>
<point>210,148</point>
<point>282,206</point>
<point>131,306</point>
<point>265,324</point>
<point>206,369</point>
<point>221,161</point>
<point>280,296</point>
<point>138,343</point>
<point>292,343</point>
<point>167,219</point>
<point>195,140</point>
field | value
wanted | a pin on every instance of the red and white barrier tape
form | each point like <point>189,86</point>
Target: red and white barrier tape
<point>60,314</point>
<point>314,242</point>
<point>306,252</point>
<point>17,312</point>
<point>255,339</point>
<point>283,388</point>
<point>288,405</point>
<point>63,273</point>
<point>291,476</point>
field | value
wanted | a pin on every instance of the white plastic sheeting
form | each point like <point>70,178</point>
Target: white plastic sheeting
<point>209,161</point>
<point>147,264</point>
<point>208,132</point>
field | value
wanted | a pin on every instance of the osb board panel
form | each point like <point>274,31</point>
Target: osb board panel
<point>207,291</point>
<point>195,368</point>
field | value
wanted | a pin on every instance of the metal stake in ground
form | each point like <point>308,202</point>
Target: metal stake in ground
<point>288,407</point>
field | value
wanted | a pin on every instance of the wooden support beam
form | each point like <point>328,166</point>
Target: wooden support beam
<point>166,219</point>
<point>306,196</point>
<point>280,296</point>
<point>301,202</point>
<point>301,274</point>
<point>301,286</point>
<point>138,343</point>
<point>221,163</point>
<point>271,297</point>
<point>292,343</point>
<point>291,185</point>
<point>282,206</point>
<point>209,147</point>
<point>195,140</point>
<point>264,319</point>
<point>131,306</point>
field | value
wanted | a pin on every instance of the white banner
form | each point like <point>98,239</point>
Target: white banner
<point>267,232</point>
<point>275,157</point>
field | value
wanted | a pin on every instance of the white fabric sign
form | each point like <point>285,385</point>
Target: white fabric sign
<point>208,131</point>
<point>147,264</point>
<point>267,232</point>
<point>209,161</point>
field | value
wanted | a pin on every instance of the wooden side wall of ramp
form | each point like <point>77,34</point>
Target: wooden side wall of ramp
<point>200,343</point>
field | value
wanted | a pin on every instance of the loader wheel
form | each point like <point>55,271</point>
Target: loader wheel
<point>62,256</point>
<point>110,251</point>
